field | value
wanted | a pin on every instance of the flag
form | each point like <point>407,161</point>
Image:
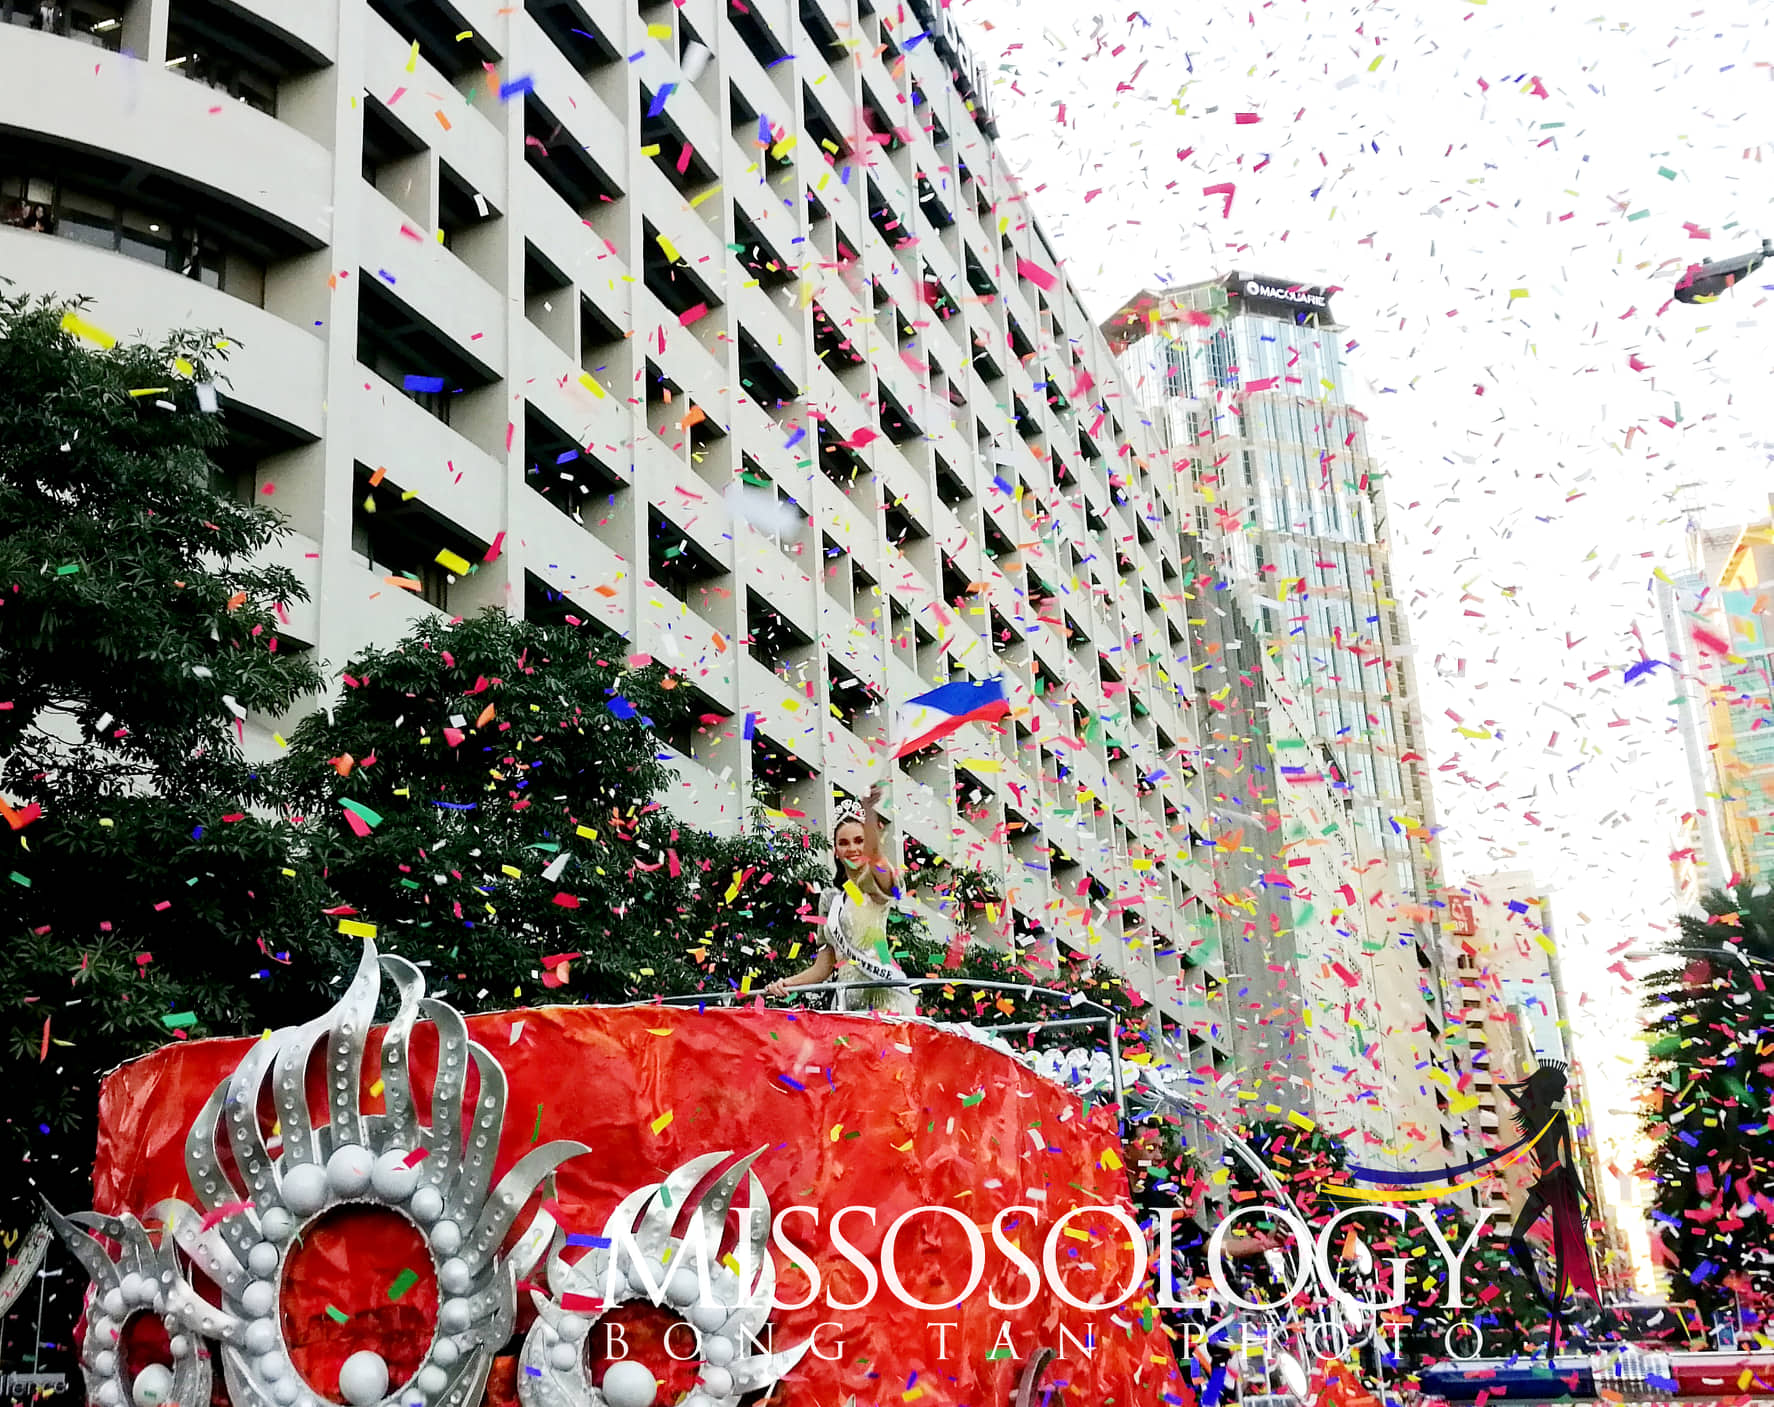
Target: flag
<point>943,711</point>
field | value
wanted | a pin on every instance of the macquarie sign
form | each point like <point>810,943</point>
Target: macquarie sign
<point>1278,298</point>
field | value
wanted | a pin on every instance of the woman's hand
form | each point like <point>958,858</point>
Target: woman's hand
<point>778,989</point>
<point>873,799</point>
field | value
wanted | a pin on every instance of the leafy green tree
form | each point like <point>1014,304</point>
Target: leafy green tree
<point>138,625</point>
<point>485,795</point>
<point>1708,1084</point>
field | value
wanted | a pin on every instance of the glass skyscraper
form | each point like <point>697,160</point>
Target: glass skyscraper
<point>1242,381</point>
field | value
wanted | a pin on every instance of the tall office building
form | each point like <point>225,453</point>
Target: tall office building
<point>719,324</point>
<point>1510,998</point>
<point>1717,624</point>
<point>1240,380</point>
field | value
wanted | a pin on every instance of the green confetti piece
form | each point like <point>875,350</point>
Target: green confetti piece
<point>402,1283</point>
<point>536,1133</point>
<point>18,878</point>
<point>1638,215</point>
<point>68,570</point>
<point>337,1315</point>
<point>369,817</point>
<point>174,1020</point>
<point>969,1100</point>
<point>1666,173</point>
<point>997,1353</point>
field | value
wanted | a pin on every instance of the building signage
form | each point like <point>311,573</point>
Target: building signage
<point>1460,916</point>
<point>1274,297</point>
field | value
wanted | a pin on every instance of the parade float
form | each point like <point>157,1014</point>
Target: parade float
<point>605,1207</point>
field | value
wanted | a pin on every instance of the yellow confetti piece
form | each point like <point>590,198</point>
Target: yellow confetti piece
<point>351,928</point>
<point>589,383</point>
<point>183,367</point>
<point>73,323</point>
<point>1378,60</point>
<point>376,1090</point>
<point>1300,1121</point>
<point>413,58</point>
<point>1110,1160</point>
<point>837,1132</point>
<point>659,31</point>
<point>452,562</point>
<point>465,34</point>
<point>662,1121</point>
<point>586,833</point>
<point>658,1030</point>
<point>669,249</point>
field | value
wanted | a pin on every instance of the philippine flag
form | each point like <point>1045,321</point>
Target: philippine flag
<point>935,715</point>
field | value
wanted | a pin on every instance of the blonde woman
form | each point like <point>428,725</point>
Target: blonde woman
<point>853,942</point>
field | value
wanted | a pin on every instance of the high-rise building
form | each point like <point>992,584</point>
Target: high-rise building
<point>721,325</point>
<point>1717,618</point>
<point>1510,998</point>
<point>1240,380</point>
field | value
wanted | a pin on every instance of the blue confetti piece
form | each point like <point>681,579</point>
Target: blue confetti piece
<point>456,805</point>
<point>796,438</point>
<point>657,106</point>
<point>1216,1384</point>
<point>792,1083</point>
<point>1657,1380</point>
<point>383,273</point>
<point>508,91</point>
<point>1004,484</point>
<point>565,455</point>
<point>621,707</point>
<point>583,1238</point>
<point>751,726</point>
<point>764,129</point>
<point>423,383</point>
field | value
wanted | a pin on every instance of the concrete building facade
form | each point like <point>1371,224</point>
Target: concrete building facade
<point>1241,383</point>
<point>721,326</point>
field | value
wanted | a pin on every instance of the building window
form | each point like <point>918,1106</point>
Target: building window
<point>396,536</point>
<point>84,21</point>
<point>175,241</point>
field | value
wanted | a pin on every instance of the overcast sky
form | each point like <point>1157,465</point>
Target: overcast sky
<point>1506,192</point>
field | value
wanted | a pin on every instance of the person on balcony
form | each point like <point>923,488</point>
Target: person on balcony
<point>853,909</point>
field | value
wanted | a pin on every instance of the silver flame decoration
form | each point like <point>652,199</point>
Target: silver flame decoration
<point>141,1277</point>
<point>725,1303</point>
<point>439,1177</point>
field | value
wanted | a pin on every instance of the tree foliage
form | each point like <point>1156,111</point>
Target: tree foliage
<point>488,794</point>
<point>138,623</point>
<point>1707,1086</point>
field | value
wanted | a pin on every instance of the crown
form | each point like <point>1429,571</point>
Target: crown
<point>848,810</point>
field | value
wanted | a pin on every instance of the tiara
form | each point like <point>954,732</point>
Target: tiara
<point>848,810</point>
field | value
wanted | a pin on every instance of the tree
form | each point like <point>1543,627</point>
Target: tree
<point>1707,1085</point>
<point>138,625</point>
<point>485,795</point>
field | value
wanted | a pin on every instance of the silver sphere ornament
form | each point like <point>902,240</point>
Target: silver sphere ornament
<point>455,1276</point>
<point>427,1204</point>
<point>446,1352</point>
<point>717,1382</point>
<point>629,1384</point>
<point>573,1327</point>
<point>348,1170</point>
<point>261,1335</point>
<point>285,1391</point>
<point>105,1364</point>
<point>446,1238</point>
<point>153,1386</point>
<point>432,1380</point>
<point>708,1317</point>
<point>277,1224</point>
<point>109,1394</point>
<point>562,1357</point>
<point>179,1345</point>
<point>304,1188</point>
<point>391,1178</point>
<point>456,1315</point>
<point>262,1259</point>
<point>681,1289</point>
<point>363,1380</point>
<point>259,1298</point>
<point>718,1350</point>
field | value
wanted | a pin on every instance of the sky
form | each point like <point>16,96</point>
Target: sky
<point>1505,193</point>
